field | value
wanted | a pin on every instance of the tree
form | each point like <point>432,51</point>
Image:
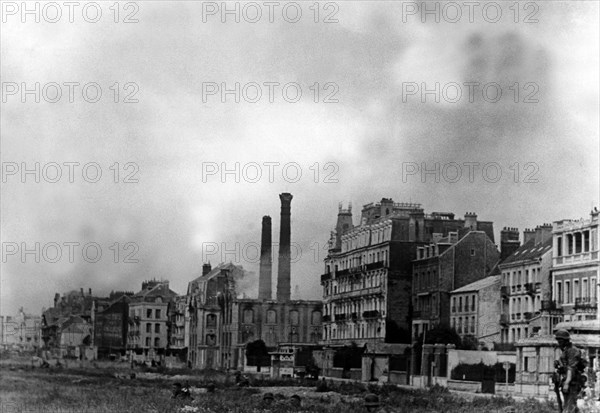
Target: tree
<point>257,354</point>
<point>396,334</point>
<point>442,335</point>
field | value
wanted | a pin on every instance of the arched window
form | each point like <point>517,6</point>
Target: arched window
<point>294,317</point>
<point>316,318</point>
<point>248,316</point>
<point>271,317</point>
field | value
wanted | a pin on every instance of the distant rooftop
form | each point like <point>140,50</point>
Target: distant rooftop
<point>479,284</point>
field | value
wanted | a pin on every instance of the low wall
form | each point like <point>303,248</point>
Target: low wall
<point>464,385</point>
<point>505,390</point>
<point>338,373</point>
<point>530,390</point>
<point>399,377</point>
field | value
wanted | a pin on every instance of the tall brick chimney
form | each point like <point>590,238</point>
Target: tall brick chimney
<point>264,279</point>
<point>542,233</point>
<point>284,264</point>
<point>509,242</point>
<point>528,235</point>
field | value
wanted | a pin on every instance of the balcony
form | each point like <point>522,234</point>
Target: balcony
<point>325,277</point>
<point>360,292</point>
<point>530,289</point>
<point>326,318</point>
<point>342,273</point>
<point>340,317</point>
<point>375,265</point>
<point>453,310</point>
<point>354,317</point>
<point>575,258</point>
<point>504,319</point>
<point>527,316</point>
<point>584,303</point>
<point>370,314</point>
<point>504,291</point>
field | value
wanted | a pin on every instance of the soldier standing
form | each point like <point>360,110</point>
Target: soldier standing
<point>570,362</point>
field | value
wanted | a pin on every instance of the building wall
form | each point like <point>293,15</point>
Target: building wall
<point>576,267</point>
<point>111,328</point>
<point>22,331</point>
<point>488,314</point>
<point>469,260</point>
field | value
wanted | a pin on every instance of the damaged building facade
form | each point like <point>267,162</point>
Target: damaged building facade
<point>221,324</point>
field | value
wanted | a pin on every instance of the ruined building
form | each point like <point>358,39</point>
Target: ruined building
<point>221,324</point>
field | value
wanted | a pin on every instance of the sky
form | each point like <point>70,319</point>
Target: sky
<point>346,102</point>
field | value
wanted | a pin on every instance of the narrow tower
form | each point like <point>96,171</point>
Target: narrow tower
<point>264,280</point>
<point>284,264</point>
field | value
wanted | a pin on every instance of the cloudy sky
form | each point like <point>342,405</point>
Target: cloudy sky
<point>360,130</point>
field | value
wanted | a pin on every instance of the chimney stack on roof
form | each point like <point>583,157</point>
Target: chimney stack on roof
<point>542,233</point>
<point>206,268</point>
<point>509,242</point>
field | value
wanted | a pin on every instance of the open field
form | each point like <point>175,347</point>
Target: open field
<point>98,390</point>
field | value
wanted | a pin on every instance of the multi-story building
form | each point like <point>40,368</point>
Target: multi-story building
<point>23,331</point>
<point>475,310</point>
<point>111,321</point>
<point>176,327</point>
<point>575,266</point>
<point>444,266</point>
<point>148,336</point>
<point>526,286</point>
<point>368,270</point>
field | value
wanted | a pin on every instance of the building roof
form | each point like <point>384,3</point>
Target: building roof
<point>579,340</point>
<point>160,289</point>
<point>217,270</point>
<point>478,285</point>
<point>581,325</point>
<point>528,252</point>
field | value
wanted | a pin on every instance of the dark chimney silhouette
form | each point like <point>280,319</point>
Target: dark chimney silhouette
<point>266,260</point>
<point>284,262</point>
<point>206,268</point>
<point>509,242</point>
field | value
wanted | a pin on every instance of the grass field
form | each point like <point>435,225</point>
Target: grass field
<point>99,391</point>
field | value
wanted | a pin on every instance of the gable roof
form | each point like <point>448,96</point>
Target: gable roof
<point>478,285</point>
<point>460,240</point>
<point>528,252</point>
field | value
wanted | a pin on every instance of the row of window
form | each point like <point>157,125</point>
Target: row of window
<point>149,328</point>
<point>525,304</point>
<point>466,328</point>
<point>518,277</point>
<point>353,331</point>
<point>457,304</point>
<point>423,280</point>
<point>293,317</point>
<point>347,285</point>
<point>365,238</point>
<point>575,243</point>
<point>357,261</point>
<point>567,292</point>
<point>149,313</point>
<point>356,306</point>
